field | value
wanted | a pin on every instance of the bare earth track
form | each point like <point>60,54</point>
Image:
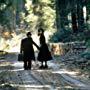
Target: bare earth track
<point>13,77</point>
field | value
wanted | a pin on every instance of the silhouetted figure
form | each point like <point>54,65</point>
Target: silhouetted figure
<point>28,51</point>
<point>44,54</point>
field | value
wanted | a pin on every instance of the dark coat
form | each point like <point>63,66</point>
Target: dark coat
<point>27,49</point>
<point>44,53</point>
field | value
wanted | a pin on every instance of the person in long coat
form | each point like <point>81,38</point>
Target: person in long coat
<point>28,51</point>
<point>44,54</point>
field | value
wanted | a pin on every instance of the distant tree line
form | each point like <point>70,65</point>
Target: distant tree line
<point>59,15</point>
<point>78,10</point>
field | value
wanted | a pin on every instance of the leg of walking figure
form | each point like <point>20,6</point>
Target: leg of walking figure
<point>46,66</point>
<point>25,65</point>
<point>29,64</point>
<point>41,67</point>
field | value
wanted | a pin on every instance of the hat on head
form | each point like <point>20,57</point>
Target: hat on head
<point>40,30</point>
<point>29,33</point>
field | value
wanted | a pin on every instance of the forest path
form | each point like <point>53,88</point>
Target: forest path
<point>14,77</point>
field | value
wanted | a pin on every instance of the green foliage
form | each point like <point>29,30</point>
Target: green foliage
<point>41,13</point>
<point>86,55</point>
<point>88,43</point>
<point>62,36</point>
<point>5,8</point>
<point>68,36</point>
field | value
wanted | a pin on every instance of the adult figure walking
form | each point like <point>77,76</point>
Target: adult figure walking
<point>28,51</point>
<point>44,53</point>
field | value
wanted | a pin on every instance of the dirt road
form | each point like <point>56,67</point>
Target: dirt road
<point>14,77</point>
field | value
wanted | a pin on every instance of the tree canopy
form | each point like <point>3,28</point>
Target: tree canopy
<point>66,17</point>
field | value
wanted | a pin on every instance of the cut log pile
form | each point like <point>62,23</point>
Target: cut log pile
<point>71,52</point>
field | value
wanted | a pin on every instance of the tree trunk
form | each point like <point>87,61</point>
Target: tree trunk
<point>80,15</point>
<point>58,22</point>
<point>74,22</point>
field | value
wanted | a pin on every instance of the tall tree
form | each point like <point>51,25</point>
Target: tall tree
<point>80,17</point>
<point>7,13</point>
<point>74,15</point>
<point>88,10</point>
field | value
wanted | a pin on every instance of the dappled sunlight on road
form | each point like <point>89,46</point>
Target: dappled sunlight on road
<point>32,86</point>
<point>67,75</point>
<point>64,71</point>
<point>16,70</point>
<point>4,64</point>
<point>17,64</point>
<point>56,77</point>
<point>43,70</point>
